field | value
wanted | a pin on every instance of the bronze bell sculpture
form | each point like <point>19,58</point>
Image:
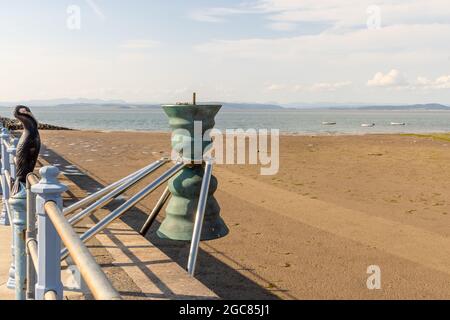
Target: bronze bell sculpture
<point>186,185</point>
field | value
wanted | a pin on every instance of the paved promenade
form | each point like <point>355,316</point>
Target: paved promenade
<point>5,261</point>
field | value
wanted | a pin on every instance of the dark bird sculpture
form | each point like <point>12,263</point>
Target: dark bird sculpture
<point>28,147</point>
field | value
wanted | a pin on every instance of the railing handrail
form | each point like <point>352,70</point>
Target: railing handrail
<point>32,179</point>
<point>8,178</point>
<point>91,272</point>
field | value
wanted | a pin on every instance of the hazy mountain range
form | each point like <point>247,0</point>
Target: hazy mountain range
<point>120,104</point>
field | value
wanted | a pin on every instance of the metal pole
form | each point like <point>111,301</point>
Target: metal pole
<point>91,272</point>
<point>31,235</point>
<point>32,248</point>
<point>88,200</point>
<point>49,242</point>
<point>12,157</point>
<point>196,236</point>
<point>4,220</point>
<point>128,205</point>
<point>159,205</point>
<point>10,175</point>
<point>18,211</point>
<point>115,193</point>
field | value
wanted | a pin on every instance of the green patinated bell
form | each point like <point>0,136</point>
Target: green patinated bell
<point>185,186</point>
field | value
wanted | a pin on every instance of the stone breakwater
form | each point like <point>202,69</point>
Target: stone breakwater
<point>14,124</point>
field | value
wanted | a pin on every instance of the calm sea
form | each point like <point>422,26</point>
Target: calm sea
<point>288,121</point>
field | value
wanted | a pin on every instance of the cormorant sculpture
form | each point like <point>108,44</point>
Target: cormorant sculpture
<point>28,147</point>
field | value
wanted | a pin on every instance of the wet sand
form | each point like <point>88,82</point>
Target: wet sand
<point>338,205</point>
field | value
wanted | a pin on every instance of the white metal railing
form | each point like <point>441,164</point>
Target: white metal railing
<point>39,228</point>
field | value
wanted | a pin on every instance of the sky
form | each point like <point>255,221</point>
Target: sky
<point>266,51</point>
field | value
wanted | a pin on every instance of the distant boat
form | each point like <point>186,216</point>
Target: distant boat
<point>398,124</point>
<point>368,125</point>
<point>326,123</point>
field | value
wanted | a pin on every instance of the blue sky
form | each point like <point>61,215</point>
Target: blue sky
<point>279,51</point>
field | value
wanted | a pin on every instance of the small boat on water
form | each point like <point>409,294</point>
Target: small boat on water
<point>368,125</point>
<point>398,124</point>
<point>326,123</point>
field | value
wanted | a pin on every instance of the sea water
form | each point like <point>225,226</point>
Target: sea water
<point>293,121</point>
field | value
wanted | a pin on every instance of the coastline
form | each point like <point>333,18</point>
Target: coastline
<point>288,134</point>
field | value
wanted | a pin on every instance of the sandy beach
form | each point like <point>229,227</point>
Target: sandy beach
<point>338,205</point>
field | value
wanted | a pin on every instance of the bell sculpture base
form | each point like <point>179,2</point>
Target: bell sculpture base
<point>185,187</point>
<point>180,213</point>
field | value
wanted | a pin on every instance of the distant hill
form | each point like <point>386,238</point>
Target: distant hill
<point>124,105</point>
<point>248,106</point>
<point>63,101</point>
<point>83,103</point>
<point>429,106</point>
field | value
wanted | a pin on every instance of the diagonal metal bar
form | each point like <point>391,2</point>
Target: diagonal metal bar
<point>128,205</point>
<point>200,215</point>
<point>97,195</point>
<point>154,214</point>
<point>116,192</point>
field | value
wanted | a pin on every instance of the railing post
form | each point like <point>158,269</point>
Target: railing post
<point>11,167</point>
<point>1,142</point>
<point>30,236</point>
<point>12,155</point>
<point>18,214</point>
<point>4,220</point>
<point>49,242</point>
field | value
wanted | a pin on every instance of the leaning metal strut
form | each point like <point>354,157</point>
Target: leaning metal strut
<point>102,224</point>
<point>117,192</point>
<point>200,215</point>
<point>154,214</point>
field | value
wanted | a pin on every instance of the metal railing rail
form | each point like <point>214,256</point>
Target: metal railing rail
<point>91,272</point>
<point>119,190</point>
<point>39,226</point>
<point>199,217</point>
<point>97,195</point>
<point>8,172</point>
<point>44,200</point>
<point>105,222</point>
<point>31,242</point>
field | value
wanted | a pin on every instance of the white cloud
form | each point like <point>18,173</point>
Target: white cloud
<point>276,87</point>
<point>391,79</point>
<point>442,82</point>
<point>316,87</point>
<point>325,86</point>
<point>395,79</point>
<point>337,14</point>
<point>216,14</point>
<point>140,44</point>
<point>283,26</point>
<point>402,40</point>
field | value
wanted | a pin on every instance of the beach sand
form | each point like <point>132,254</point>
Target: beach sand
<point>338,205</point>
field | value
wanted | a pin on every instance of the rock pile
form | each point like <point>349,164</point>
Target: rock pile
<point>14,124</point>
